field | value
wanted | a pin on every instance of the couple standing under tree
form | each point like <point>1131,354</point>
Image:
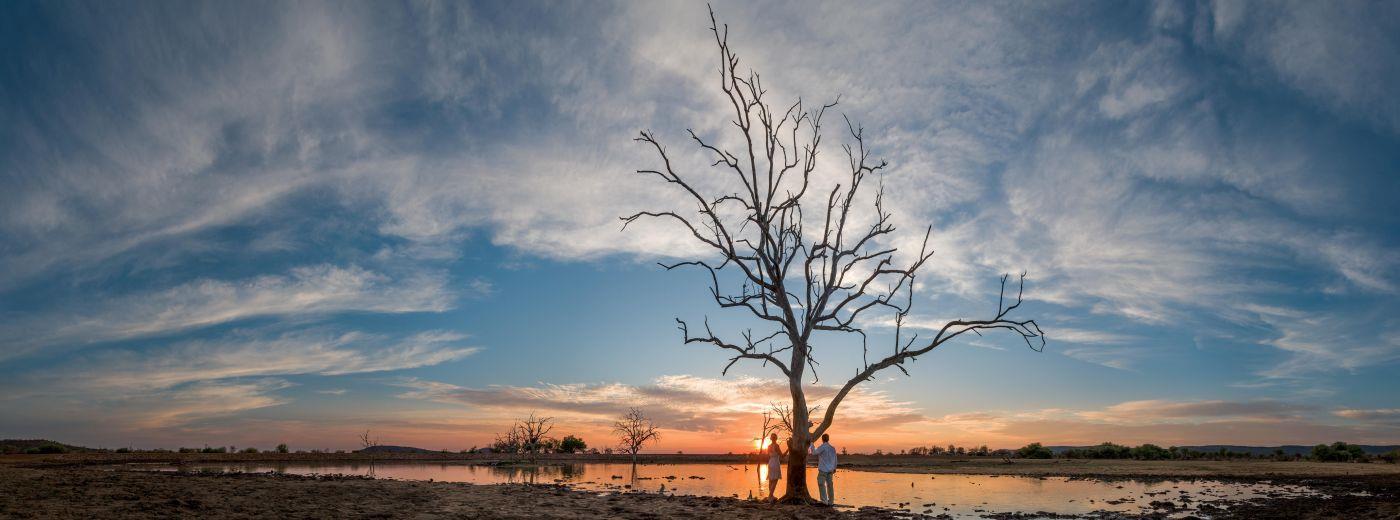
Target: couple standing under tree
<point>826,466</point>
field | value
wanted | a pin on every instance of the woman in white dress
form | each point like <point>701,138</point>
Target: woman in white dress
<point>775,466</point>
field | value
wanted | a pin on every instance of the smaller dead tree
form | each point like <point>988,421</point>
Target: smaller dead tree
<point>635,430</point>
<point>533,431</point>
<point>508,442</point>
<point>367,442</point>
<point>769,426</point>
<point>783,414</point>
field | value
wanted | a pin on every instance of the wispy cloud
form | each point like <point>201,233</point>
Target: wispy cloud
<point>679,402</point>
<point>312,290</point>
<point>1386,415</point>
<point>246,355</point>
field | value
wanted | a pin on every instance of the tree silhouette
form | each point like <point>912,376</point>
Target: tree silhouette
<point>796,280</point>
<point>633,431</point>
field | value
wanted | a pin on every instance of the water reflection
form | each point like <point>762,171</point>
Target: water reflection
<point>957,495</point>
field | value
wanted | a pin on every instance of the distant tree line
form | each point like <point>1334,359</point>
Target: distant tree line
<point>529,436</point>
<point>1335,452</point>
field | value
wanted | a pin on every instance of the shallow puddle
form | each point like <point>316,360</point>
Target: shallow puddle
<point>959,496</point>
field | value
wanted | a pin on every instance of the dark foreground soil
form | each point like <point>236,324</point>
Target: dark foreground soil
<point>1364,497</point>
<point>82,492</point>
<point>90,492</point>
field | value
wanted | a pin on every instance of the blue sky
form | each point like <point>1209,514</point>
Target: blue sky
<point>251,223</point>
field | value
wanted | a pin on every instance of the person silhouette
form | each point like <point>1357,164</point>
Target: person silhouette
<point>826,467</point>
<point>775,466</point>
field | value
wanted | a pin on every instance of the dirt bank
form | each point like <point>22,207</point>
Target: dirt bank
<point>45,488</point>
<point>86,492</point>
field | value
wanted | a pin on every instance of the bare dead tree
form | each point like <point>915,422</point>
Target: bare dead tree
<point>770,425</point>
<point>532,431</point>
<point>801,281</point>
<point>509,441</point>
<point>633,431</point>
<point>367,442</point>
<point>783,414</point>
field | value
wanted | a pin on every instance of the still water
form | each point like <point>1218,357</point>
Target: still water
<point>968,496</point>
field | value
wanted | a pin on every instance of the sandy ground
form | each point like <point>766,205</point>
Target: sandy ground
<point>48,487</point>
<point>88,492</point>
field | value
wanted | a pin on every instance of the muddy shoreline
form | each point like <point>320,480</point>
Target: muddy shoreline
<point>85,487</point>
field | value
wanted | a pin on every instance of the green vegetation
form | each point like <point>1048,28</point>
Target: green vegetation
<point>1338,452</point>
<point>38,446</point>
<point>281,448</point>
<point>1106,450</point>
<point>1391,456</point>
<point>980,451</point>
<point>1150,452</point>
<point>572,444</point>
<point>1034,451</point>
<point>47,448</point>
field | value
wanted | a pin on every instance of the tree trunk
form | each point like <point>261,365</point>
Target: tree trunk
<point>797,477</point>
<point>797,452</point>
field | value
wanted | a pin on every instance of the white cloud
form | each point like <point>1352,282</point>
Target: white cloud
<point>311,290</point>
<point>1315,48</point>
<point>188,382</point>
<point>1391,415</point>
<point>173,408</point>
<point>1319,342</point>
<point>680,402</point>
<point>245,355</point>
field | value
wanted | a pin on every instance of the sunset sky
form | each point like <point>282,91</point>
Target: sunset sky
<point>247,223</point>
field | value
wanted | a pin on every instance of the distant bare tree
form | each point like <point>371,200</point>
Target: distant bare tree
<point>634,430</point>
<point>770,425</point>
<point>783,414</point>
<point>533,431</point>
<point>367,442</point>
<point>509,441</point>
<point>796,280</point>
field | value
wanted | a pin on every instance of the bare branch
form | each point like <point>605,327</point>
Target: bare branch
<point>633,431</point>
<point>797,280</point>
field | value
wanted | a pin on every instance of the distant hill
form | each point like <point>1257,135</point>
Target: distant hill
<point>395,449</point>
<point>1291,449</point>
<point>38,445</point>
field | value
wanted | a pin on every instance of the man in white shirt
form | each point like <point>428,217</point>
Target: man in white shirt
<point>826,466</point>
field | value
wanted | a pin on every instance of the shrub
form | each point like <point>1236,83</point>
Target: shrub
<point>1034,451</point>
<point>1106,450</point>
<point>1338,452</point>
<point>572,444</point>
<point>249,450</point>
<point>282,448</point>
<point>45,449</point>
<point>1391,456</point>
<point>1150,452</point>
